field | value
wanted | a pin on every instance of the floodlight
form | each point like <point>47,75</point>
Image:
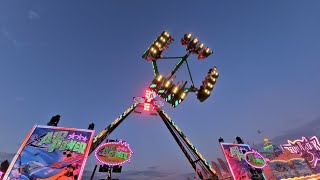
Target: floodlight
<point>208,84</point>
<point>192,44</point>
<point>183,95</point>
<point>186,39</point>
<point>156,48</point>
<point>167,84</point>
<point>199,48</point>
<point>205,53</point>
<point>175,89</point>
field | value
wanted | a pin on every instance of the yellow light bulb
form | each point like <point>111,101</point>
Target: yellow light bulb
<point>195,40</point>
<point>175,90</point>
<point>167,84</point>
<point>153,50</point>
<point>158,44</point>
<point>189,35</point>
<point>163,39</point>
<point>183,95</point>
<point>201,45</point>
<point>159,77</point>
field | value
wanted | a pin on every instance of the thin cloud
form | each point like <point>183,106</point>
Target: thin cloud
<point>33,15</point>
<point>10,38</point>
<point>152,167</point>
<point>19,99</point>
<point>311,128</point>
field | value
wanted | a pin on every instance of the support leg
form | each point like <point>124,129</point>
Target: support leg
<point>199,159</point>
<point>98,139</point>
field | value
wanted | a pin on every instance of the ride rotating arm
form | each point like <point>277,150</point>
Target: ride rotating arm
<point>98,139</point>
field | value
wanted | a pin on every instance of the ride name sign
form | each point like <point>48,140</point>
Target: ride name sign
<point>113,153</point>
<point>255,159</point>
<point>51,153</point>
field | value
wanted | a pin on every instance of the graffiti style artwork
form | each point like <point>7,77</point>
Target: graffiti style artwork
<point>306,148</point>
<point>53,153</point>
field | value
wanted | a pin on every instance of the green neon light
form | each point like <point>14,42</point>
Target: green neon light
<point>161,91</point>
<point>169,97</point>
<point>176,103</point>
<point>153,86</point>
<point>155,67</point>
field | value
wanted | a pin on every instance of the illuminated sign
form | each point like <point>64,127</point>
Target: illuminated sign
<point>51,153</point>
<point>307,148</point>
<point>255,159</point>
<point>1,173</point>
<point>234,153</point>
<point>113,153</point>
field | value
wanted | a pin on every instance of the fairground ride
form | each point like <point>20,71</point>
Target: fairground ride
<point>174,94</point>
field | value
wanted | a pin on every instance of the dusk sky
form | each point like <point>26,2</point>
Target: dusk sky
<point>82,60</point>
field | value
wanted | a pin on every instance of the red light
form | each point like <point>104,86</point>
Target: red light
<point>146,106</point>
<point>148,95</point>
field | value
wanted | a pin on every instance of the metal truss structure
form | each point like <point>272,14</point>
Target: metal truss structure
<point>197,161</point>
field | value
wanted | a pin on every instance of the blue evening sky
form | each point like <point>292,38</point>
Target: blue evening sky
<point>82,60</point>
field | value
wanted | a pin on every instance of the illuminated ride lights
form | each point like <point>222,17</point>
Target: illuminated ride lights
<point>158,46</point>
<point>173,93</point>
<point>164,86</point>
<point>148,102</point>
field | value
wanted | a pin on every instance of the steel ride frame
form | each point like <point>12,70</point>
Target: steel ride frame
<point>192,154</point>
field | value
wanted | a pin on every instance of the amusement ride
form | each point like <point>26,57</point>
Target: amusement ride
<point>173,93</point>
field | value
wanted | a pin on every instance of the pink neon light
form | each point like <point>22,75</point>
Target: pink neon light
<point>225,155</point>
<point>304,145</point>
<point>258,154</point>
<point>116,143</point>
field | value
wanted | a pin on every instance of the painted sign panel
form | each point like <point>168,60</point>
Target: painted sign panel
<point>255,159</point>
<point>306,148</point>
<point>113,153</point>
<point>235,155</point>
<point>283,169</point>
<point>51,153</point>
